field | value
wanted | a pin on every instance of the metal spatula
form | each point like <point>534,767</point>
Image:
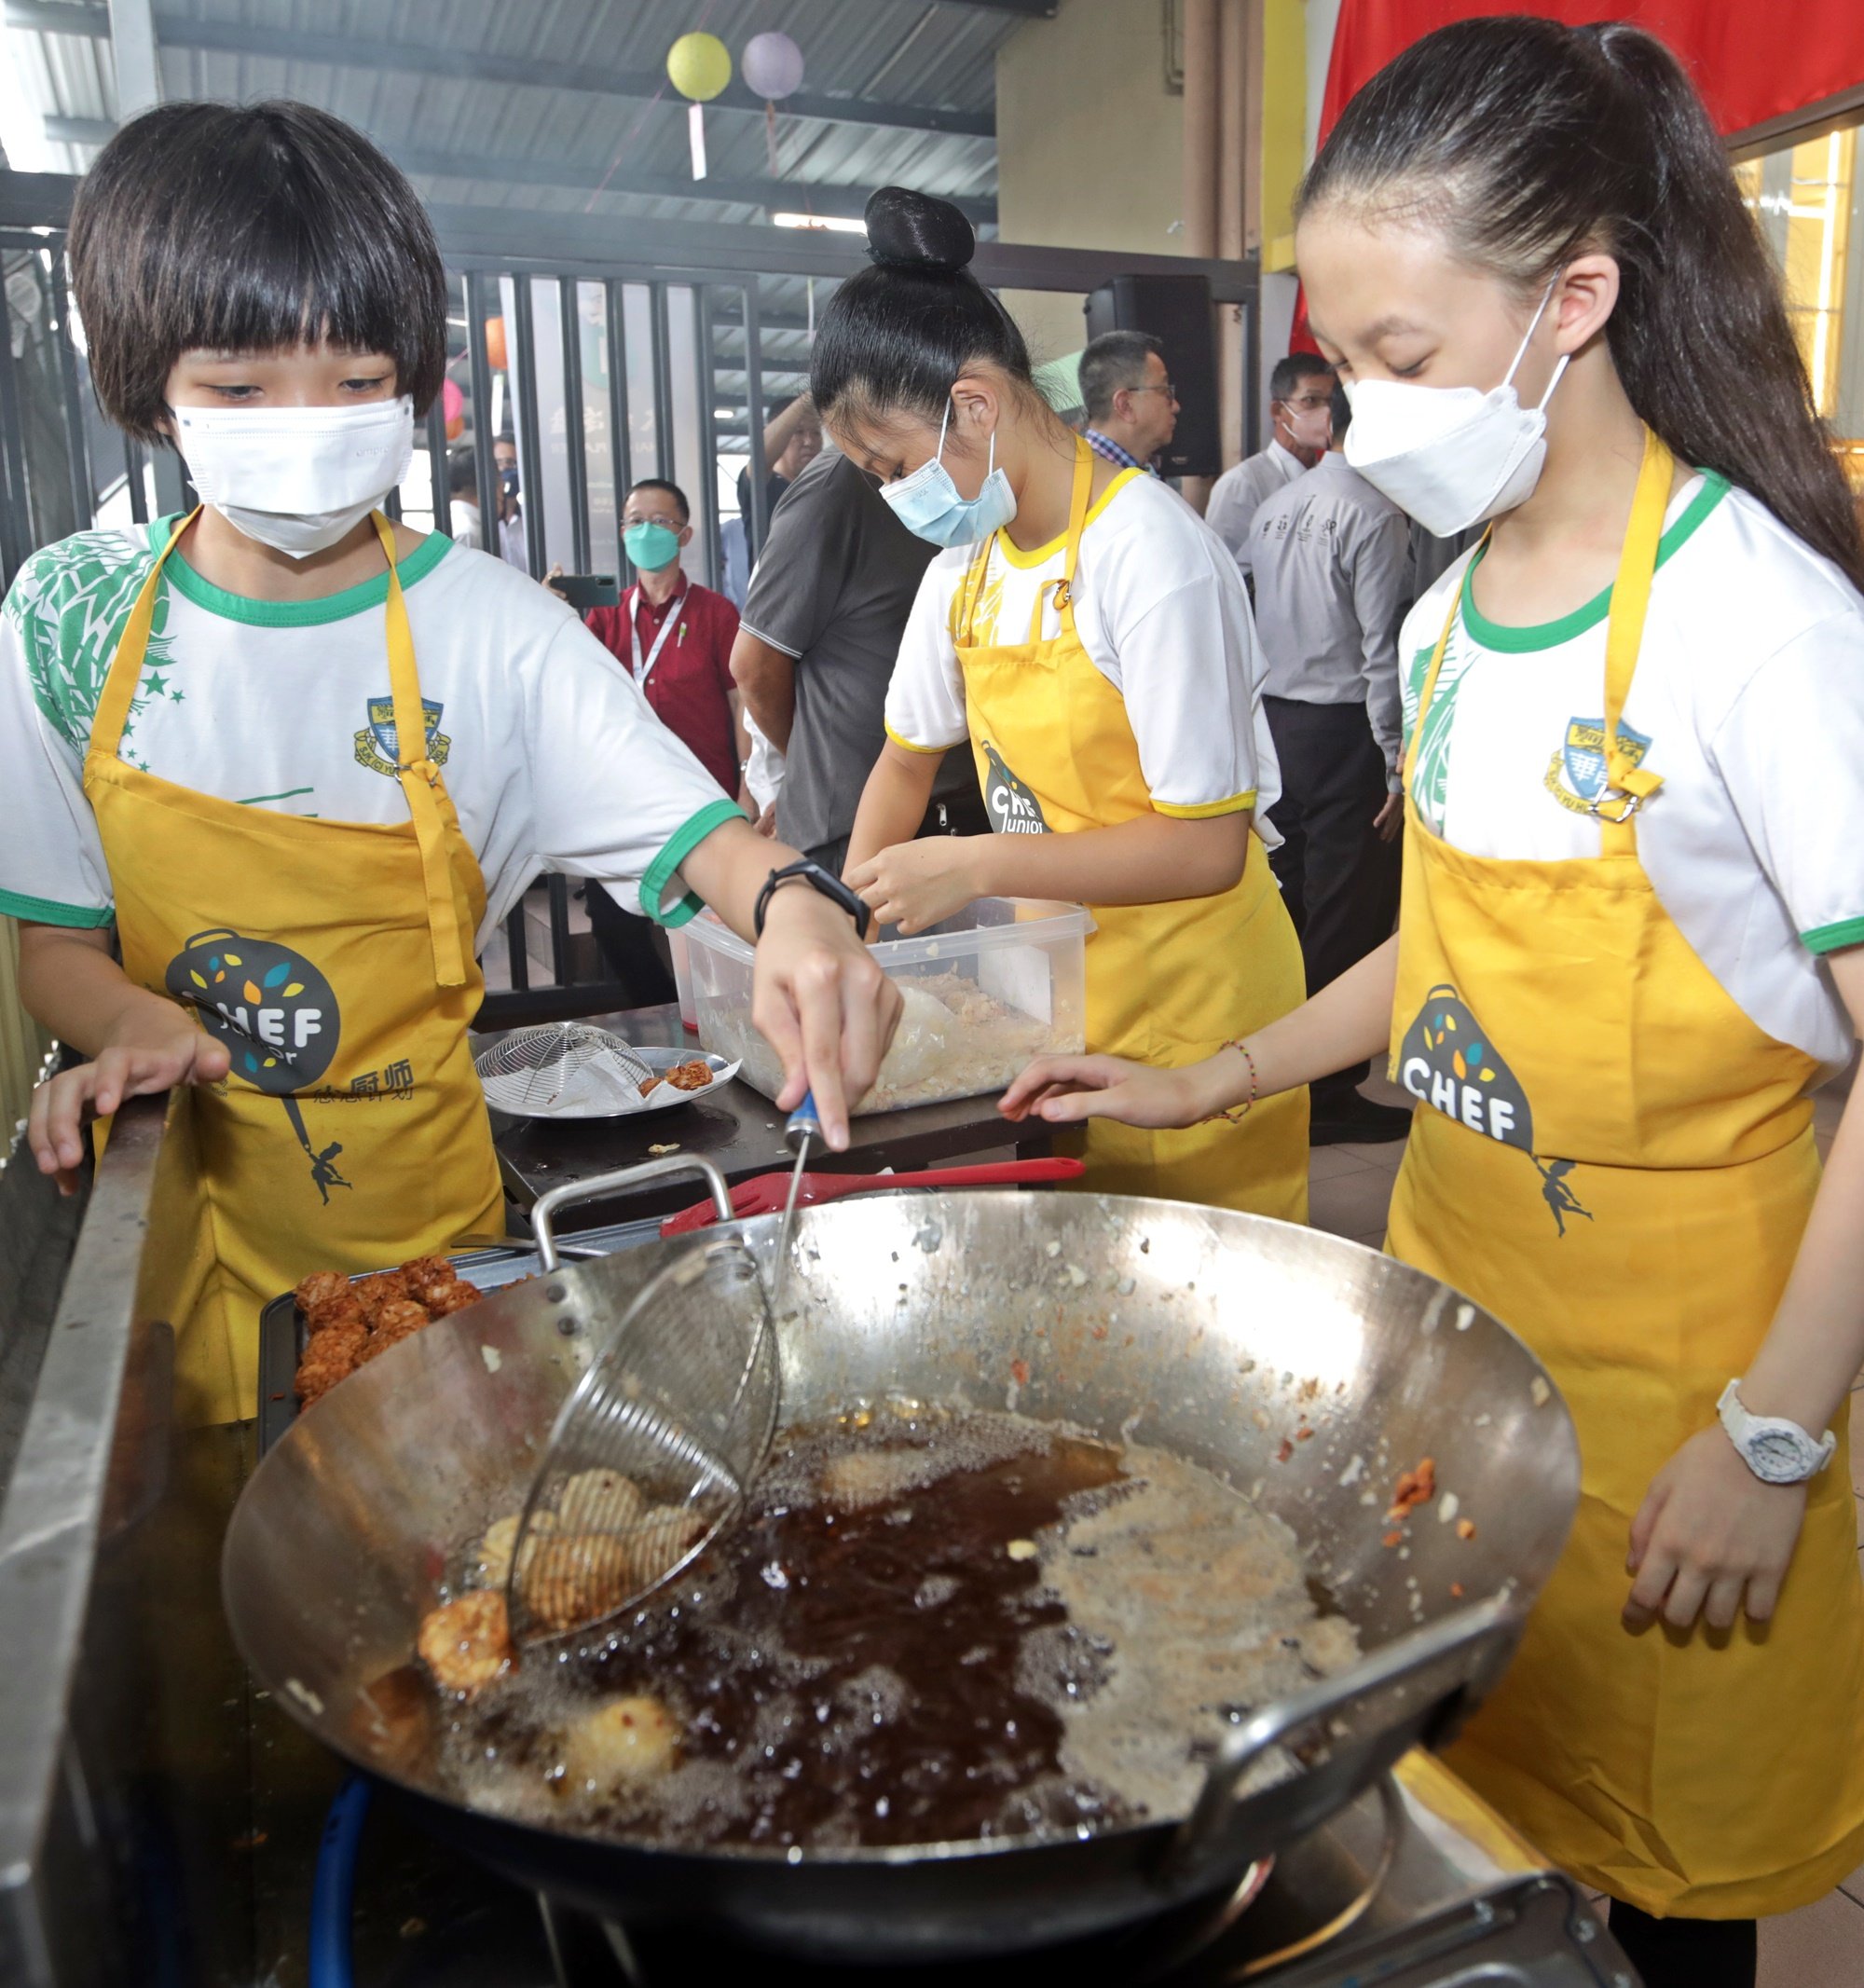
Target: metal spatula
<point>654,1450</point>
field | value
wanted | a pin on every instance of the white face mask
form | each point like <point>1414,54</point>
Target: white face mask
<point>1452,457</point>
<point>296,478</point>
<point>1309,427</point>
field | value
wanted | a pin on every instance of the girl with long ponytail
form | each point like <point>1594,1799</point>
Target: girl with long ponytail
<point>1632,940</point>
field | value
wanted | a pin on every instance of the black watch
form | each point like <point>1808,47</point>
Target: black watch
<point>817,879</point>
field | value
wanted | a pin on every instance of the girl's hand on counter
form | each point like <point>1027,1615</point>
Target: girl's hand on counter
<point>914,884</point>
<point>1064,1089</point>
<point>153,1046</point>
<point>823,1004</point>
<point>1710,1538</point>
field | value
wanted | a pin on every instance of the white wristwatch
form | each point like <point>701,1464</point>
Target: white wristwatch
<point>1777,1451</point>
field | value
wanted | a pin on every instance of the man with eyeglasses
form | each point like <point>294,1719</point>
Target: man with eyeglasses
<point>1300,391</point>
<point>1131,409</point>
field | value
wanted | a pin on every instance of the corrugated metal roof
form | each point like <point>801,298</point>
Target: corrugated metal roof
<point>912,51</point>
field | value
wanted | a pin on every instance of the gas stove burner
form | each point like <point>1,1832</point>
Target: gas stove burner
<point>1415,1884</point>
<point>1281,1912</point>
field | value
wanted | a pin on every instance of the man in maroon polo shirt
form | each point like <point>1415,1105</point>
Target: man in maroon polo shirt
<point>674,640</point>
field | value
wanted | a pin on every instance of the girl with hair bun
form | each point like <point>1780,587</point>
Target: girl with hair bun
<point>1088,635</point>
<point>1632,940</point>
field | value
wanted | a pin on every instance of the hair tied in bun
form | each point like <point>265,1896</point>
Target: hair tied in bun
<point>908,230</point>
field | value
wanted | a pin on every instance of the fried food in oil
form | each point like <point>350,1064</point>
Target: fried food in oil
<point>442,1299</point>
<point>666,1534</point>
<point>420,1270</point>
<point>576,1578</point>
<point>501,1537</point>
<point>621,1745</point>
<point>319,1288</point>
<point>598,1501</point>
<point>468,1642</point>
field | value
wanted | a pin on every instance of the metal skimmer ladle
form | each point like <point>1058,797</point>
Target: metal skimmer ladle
<point>654,1450</point>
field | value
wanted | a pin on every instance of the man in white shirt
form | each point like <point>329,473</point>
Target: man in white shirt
<point>1299,391</point>
<point>1331,557</point>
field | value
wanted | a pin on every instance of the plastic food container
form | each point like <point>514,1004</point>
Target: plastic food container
<point>682,978</point>
<point>1003,982</point>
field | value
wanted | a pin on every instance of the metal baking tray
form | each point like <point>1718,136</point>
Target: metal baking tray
<point>283,1329</point>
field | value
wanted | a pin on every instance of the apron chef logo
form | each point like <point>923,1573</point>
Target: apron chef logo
<point>277,1015</point>
<point>379,748</point>
<point>1013,808</point>
<point>1576,772</point>
<point>1448,1062</point>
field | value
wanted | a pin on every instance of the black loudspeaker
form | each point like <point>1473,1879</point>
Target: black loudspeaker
<point>1177,311</point>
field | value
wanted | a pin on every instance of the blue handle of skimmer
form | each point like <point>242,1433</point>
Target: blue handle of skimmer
<point>804,1123</point>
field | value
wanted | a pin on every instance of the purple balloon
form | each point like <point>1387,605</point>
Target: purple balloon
<point>772,66</point>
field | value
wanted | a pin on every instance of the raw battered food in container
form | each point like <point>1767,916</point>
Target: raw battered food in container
<point>1003,982</point>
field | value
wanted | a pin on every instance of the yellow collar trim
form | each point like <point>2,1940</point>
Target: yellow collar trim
<point>1014,555</point>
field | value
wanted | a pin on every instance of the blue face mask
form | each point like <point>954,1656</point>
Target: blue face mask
<point>650,546</point>
<point>927,502</point>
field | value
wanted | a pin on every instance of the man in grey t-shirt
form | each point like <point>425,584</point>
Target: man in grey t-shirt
<point>815,646</point>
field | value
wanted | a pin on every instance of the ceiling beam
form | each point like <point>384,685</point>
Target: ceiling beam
<point>232,38</point>
<point>782,196</point>
<point>132,49</point>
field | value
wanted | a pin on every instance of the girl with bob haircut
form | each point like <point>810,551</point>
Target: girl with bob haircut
<point>228,771</point>
<point>1085,635</point>
<point>1632,939</point>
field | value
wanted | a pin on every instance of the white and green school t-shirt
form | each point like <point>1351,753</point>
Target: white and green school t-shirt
<point>550,753</point>
<point>1159,608</point>
<point>1748,700</point>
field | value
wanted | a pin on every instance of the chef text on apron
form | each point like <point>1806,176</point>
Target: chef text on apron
<point>335,960</point>
<point>1167,983</point>
<point>1615,1159</point>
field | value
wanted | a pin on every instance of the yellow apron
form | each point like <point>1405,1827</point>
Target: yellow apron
<point>335,960</point>
<point>1611,1157</point>
<point>1167,983</point>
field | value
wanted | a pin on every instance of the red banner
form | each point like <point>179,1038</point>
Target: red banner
<point>1751,60</point>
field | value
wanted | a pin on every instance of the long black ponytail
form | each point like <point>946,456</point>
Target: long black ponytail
<point>1529,142</point>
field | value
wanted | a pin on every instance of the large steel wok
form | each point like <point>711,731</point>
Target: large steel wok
<point>1216,1335</point>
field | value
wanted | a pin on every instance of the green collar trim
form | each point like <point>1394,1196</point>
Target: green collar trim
<point>358,599</point>
<point>1550,634</point>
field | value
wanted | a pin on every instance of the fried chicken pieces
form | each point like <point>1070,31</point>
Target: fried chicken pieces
<point>351,1322</point>
<point>693,1076</point>
<point>468,1642</point>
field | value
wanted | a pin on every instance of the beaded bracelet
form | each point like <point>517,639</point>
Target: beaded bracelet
<point>1237,1113</point>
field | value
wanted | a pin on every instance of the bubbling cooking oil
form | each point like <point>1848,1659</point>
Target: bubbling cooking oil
<point>930,1625</point>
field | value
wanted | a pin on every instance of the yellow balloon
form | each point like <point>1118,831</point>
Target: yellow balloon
<point>699,66</point>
